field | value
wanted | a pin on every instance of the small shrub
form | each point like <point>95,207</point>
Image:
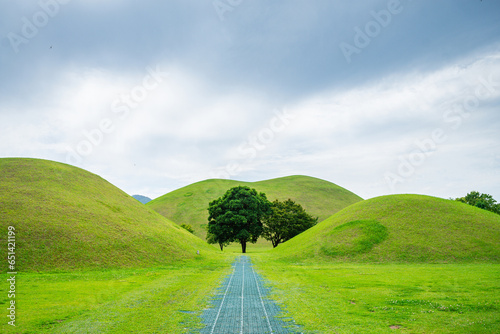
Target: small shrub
<point>188,228</point>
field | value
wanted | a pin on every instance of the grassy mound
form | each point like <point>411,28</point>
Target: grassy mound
<point>401,228</point>
<point>189,205</point>
<point>67,218</point>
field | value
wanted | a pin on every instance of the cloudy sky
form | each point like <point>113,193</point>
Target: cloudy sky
<point>379,97</point>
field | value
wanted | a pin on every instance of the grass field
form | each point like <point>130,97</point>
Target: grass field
<point>91,259</point>
<point>165,299</point>
<point>400,228</point>
<point>386,298</point>
<point>259,247</point>
<point>401,263</point>
<point>321,297</point>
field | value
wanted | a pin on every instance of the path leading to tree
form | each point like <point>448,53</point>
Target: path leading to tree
<point>242,306</point>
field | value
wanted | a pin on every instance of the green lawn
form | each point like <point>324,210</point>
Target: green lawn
<point>91,259</point>
<point>155,300</point>
<point>260,246</point>
<point>321,297</point>
<point>386,298</point>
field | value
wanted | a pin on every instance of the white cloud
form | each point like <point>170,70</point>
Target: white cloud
<point>186,130</point>
<point>359,135</point>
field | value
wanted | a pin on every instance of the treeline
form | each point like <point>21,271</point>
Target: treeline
<point>482,201</point>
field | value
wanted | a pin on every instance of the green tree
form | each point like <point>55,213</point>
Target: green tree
<point>237,216</point>
<point>483,201</point>
<point>218,237</point>
<point>286,220</point>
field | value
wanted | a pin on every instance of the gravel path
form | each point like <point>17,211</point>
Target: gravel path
<point>241,305</point>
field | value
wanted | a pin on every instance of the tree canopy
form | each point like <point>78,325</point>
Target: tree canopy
<point>483,201</point>
<point>237,216</point>
<point>286,220</point>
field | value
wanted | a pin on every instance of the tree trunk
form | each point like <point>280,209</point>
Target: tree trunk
<point>243,246</point>
<point>275,242</point>
<point>221,247</point>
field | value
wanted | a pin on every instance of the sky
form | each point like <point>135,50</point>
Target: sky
<point>379,97</point>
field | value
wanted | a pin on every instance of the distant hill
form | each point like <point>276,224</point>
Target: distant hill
<point>188,205</point>
<point>142,199</point>
<point>401,228</point>
<point>67,218</point>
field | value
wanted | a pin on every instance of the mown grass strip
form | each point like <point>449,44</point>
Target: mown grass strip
<point>369,298</point>
<point>153,300</point>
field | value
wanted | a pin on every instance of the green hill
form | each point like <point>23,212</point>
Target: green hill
<point>188,205</point>
<point>67,218</point>
<point>401,228</point>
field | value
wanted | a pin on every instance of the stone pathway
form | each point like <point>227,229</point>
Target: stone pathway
<point>241,305</point>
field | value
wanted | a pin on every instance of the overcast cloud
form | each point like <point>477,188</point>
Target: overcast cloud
<point>379,97</point>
